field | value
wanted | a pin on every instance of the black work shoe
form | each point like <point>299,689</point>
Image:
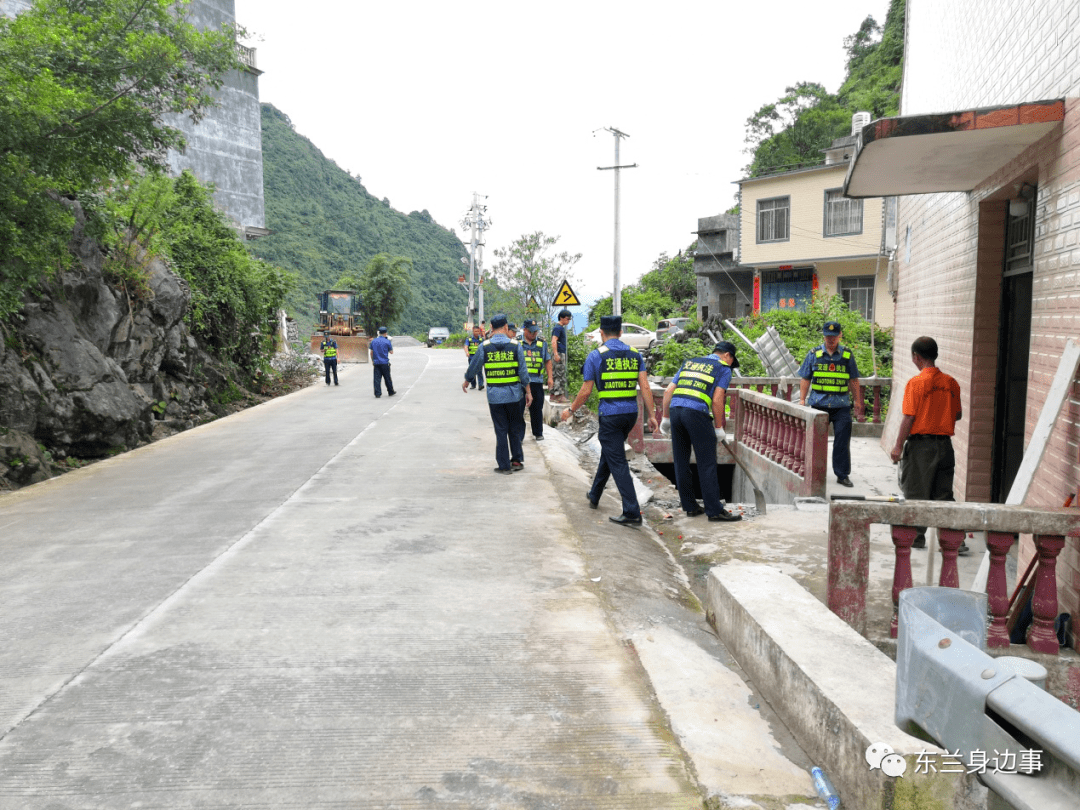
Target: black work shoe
<point>516,466</point>
<point>592,504</point>
<point>539,438</point>
<point>963,550</point>
<point>845,481</point>
<point>697,510</point>
<point>626,520</point>
<point>504,472</point>
<point>392,393</point>
<point>725,516</point>
<point>481,388</point>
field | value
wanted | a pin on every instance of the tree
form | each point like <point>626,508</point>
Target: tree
<point>85,85</point>
<point>526,270</point>
<point>385,286</point>
<point>792,132</point>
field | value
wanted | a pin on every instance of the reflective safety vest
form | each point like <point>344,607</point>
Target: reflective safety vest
<point>619,370</point>
<point>831,377</point>
<point>696,380</point>
<point>329,349</point>
<point>501,363</point>
<point>534,356</point>
<point>473,344</point>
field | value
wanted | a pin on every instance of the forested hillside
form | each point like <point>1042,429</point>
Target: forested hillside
<point>325,223</point>
<point>792,131</point>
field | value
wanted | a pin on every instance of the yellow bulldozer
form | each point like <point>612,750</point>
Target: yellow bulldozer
<point>340,316</point>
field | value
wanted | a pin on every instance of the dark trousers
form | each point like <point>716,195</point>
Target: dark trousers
<point>330,364</point>
<point>927,465</point>
<point>612,436</point>
<point>504,419</point>
<point>840,419</point>
<point>382,372</point>
<point>695,429</point>
<point>478,379</point>
<point>536,410</point>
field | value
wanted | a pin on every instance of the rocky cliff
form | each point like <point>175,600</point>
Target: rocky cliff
<point>87,370</point>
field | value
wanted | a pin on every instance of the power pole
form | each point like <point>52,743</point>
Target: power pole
<point>616,296</point>
<point>477,222</point>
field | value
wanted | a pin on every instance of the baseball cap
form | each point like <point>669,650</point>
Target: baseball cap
<point>726,346</point>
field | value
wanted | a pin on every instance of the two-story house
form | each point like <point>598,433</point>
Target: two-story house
<point>798,233</point>
<point>723,287</point>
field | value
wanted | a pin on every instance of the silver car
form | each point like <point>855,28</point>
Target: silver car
<point>634,336</point>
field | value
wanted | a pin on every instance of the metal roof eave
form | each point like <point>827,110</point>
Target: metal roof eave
<point>955,151</point>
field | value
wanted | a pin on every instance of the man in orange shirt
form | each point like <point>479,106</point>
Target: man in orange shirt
<point>924,445</point>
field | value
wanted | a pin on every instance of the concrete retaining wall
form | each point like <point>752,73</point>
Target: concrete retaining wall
<point>833,689</point>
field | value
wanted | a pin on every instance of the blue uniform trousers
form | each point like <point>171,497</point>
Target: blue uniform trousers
<point>840,419</point>
<point>505,418</point>
<point>695,429</point>
<point>613,464</point>
<point>330,364</point>
<point>382,372</point>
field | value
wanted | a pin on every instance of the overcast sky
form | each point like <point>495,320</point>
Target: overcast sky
<point>431,101</point>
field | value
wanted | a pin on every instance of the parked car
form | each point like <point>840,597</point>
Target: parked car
<point>634,336</point>
<point>667,328</point>
<point>437,335</point>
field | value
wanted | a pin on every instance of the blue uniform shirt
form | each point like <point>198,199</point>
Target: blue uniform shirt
<point>544,357</point>
<point>328,342</point>
<point>592,372</point>
<point>380,350</point>
<point>822,399</point>
<point>720,372</point>
<point>500,394</point>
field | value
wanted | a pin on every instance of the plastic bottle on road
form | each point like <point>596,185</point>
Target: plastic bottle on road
<point>825,790</point>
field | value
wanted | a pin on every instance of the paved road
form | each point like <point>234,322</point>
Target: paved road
<point>328,601</point>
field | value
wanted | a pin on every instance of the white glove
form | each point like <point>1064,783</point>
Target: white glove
<point>721,435</point>
<point>665,426</point>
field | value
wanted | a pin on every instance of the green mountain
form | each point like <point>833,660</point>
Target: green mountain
<point>325,223</point>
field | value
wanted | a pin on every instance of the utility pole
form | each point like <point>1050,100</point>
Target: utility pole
<point>616,296</point>
<point>476,221</point>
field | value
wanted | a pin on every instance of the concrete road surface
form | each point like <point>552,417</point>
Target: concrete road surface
<point>328,601</point>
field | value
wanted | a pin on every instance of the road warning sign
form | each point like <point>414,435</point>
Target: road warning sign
<point>565,297</point>
<point>531,305</point>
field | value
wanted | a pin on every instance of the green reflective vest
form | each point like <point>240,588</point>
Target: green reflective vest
<point>534,356</point>
<point>619,370</point>
<point>696,380</point>
<point>329,349</point>
<point>473,344</point>
<point>501,363</point>
<point>830,377</point>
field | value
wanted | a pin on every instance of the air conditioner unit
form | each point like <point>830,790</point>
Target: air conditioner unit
<point>858,121</point>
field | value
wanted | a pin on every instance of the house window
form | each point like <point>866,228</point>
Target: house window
<point>842,215</point>
<point>858,294</point>
<point>773,218</point>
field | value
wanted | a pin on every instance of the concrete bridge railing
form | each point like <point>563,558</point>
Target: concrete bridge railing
<point>784,445</point>
<point>849,558</point>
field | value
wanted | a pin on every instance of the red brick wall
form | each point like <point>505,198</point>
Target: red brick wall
<point>961,55</point>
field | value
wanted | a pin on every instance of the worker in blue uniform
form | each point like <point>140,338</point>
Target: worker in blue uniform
<point>616,370</point>
<point>381,349</point>
<point>538,360</point>
<point>830,383</point>
<point>471,345</point>
<point>503,361</point>
<point>329,348</point>
<point>694,403</point>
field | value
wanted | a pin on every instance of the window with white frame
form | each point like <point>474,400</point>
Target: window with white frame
<point>858,294</point>
<point>843,215</point>
<point>773,219</point>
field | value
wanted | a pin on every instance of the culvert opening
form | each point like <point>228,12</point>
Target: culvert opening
<point>725,475</point>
